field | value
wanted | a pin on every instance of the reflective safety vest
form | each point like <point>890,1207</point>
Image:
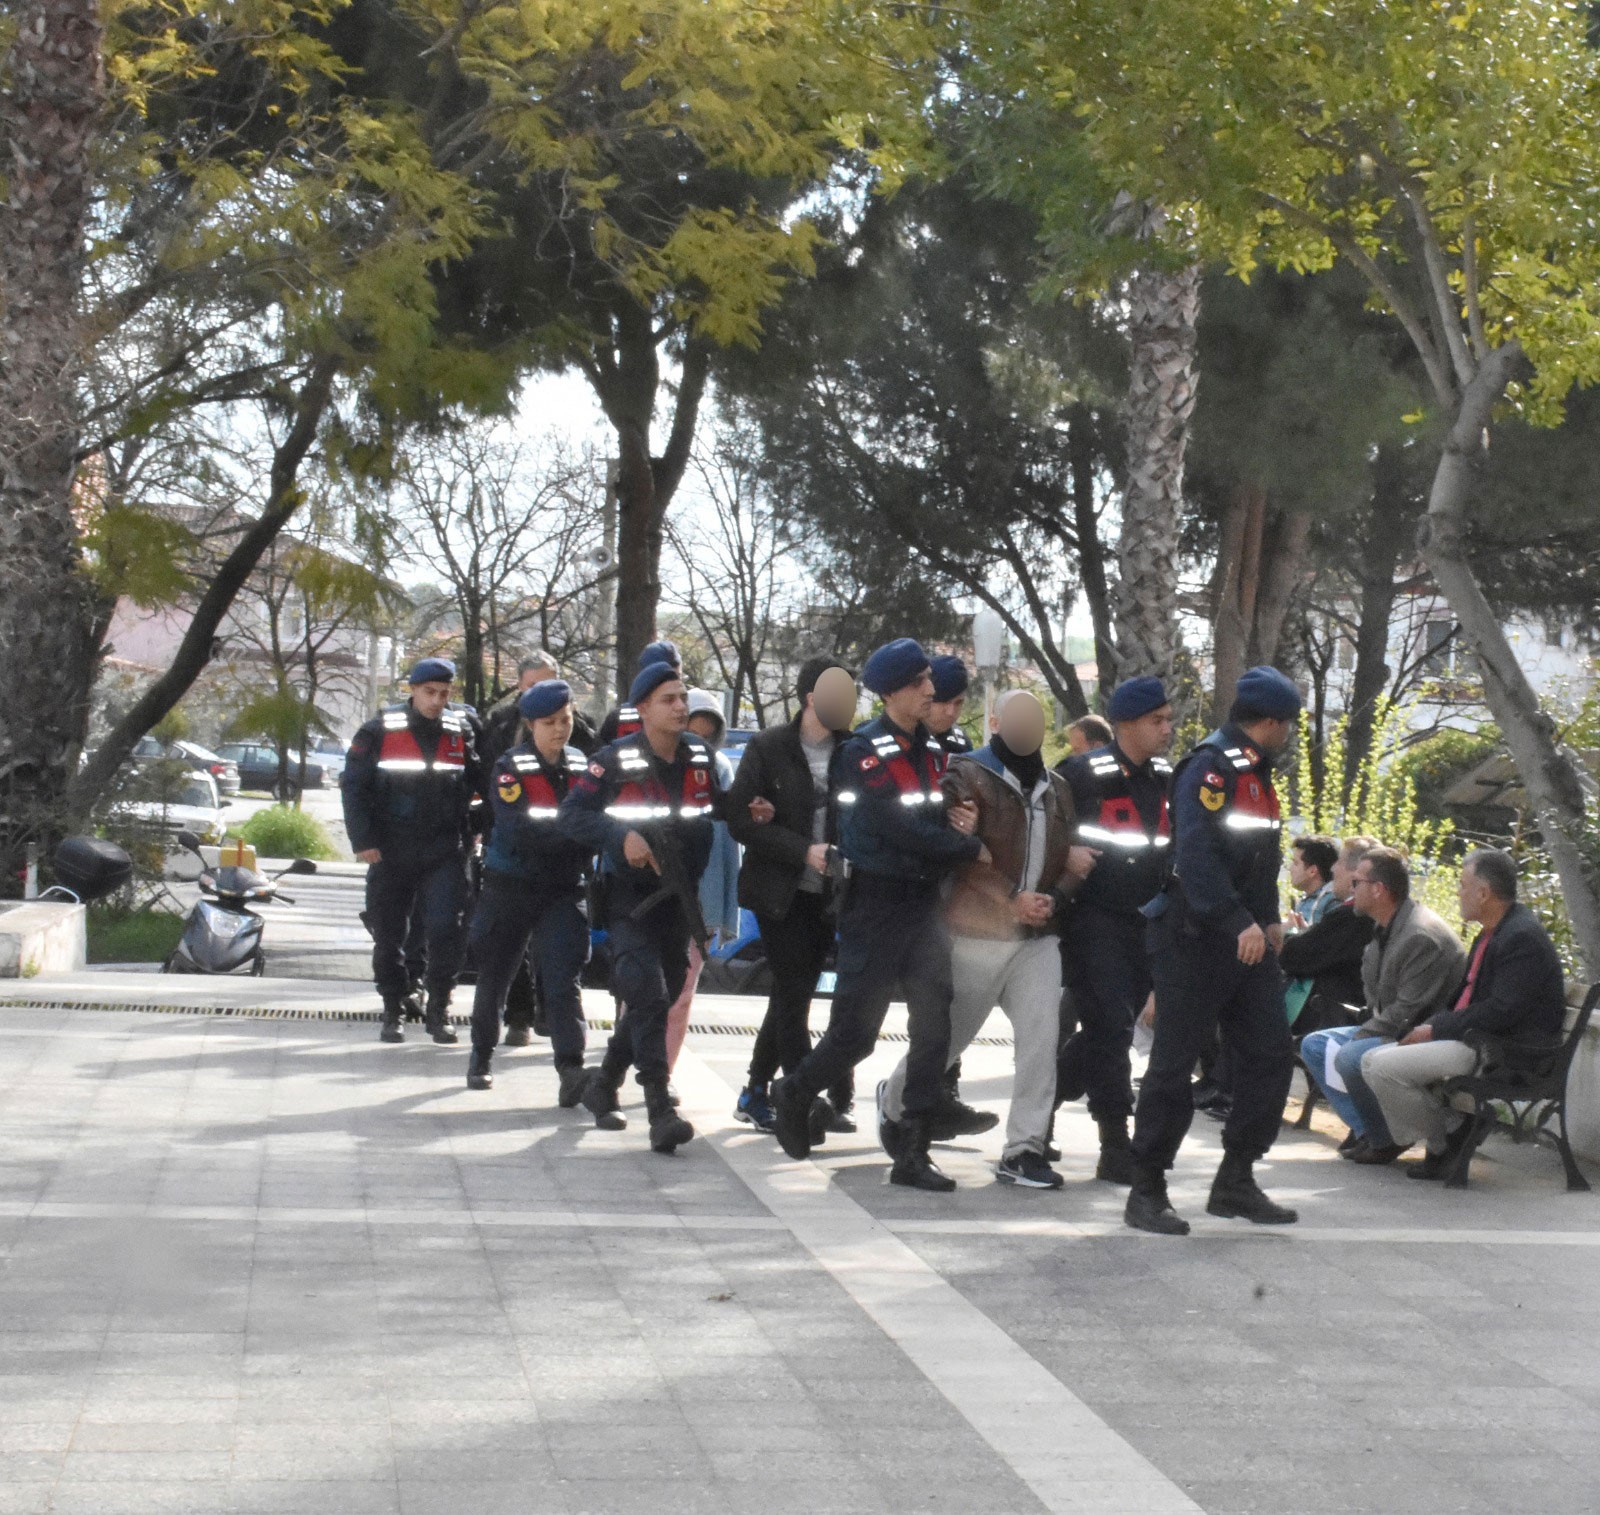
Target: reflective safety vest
<point>400,752</point>
<point>523,784</point>
<point>914,787</point>
<point>1117,823</point>
<point>642,797</point>
<point>1247,803</point>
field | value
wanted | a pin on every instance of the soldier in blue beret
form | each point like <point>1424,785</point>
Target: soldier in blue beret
<point>410,781</point>
<point>1214,943</point>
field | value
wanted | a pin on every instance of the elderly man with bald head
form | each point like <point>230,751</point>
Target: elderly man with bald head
<point>1003,914</point>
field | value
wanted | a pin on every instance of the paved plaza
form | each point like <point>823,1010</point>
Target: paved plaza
<point>268,1265</point>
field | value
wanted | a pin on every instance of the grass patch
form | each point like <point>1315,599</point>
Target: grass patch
<point>132,936</point>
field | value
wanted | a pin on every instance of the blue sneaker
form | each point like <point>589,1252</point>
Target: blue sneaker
<point>754,1109</point>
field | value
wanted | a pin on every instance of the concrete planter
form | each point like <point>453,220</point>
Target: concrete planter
<point>42,936</point>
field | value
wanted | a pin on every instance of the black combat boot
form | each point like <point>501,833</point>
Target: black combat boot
<point>913,1168</point>
<point>1116,1165</point>
<point>574,1079</point>
<point>1235,1195</point>
<point>517,1035</point>
<point>952,1117</point>
<point>390,1030</point>
<point>478,1074</point>
<point>1149,1209</point>
<point>668,1129</point>
<point>412,1003</point>
<point>436,1020</point>
<point>599,1098</point>
<point>791,1112</point>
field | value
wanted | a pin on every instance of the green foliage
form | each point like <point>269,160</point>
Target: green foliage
<point>1437,762</point>
<point>1382,803</point>
<point>172,727</point>
<point>132,936</point>
<point>283,831</point>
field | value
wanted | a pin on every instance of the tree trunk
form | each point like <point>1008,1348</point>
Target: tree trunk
<point>50,99</point>
<point>1282,560</point>
<point>1390,532</point>
<point>1235,585</point>
<point>1091,550</point>
<point>196,648</point>
<point>1557,787</point>
<point>1164,309</point>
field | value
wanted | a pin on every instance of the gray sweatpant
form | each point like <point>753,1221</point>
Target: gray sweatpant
<point>1024,980</point>
<point>1405,1081</point>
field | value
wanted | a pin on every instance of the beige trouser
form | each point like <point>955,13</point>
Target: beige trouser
<point>1024,979</point>
<point>1405,1081</point>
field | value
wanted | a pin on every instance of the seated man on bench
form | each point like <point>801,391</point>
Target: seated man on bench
<point>1513,990</point>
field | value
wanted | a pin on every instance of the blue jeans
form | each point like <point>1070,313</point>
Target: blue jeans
<point>1356,1106</point>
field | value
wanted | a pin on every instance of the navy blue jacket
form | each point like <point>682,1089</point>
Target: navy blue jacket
<point>1227,837</point>
<point>1520,992</point>
<point>891,819</point>
<point>409,785</point>
<point>526,845</point>
<point>626,787</point>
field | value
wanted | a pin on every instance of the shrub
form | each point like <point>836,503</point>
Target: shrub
<point>283,831</point>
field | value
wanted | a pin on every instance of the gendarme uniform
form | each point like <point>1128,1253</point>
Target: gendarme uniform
<point>1227,831</point>
<point>894,834</point>
<point>533,880</point>
<point>672,802</point>
<point>1123,813</point>
<point>408,789</point>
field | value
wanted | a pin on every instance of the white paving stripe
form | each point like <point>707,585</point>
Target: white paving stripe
<point>1071,1459</point>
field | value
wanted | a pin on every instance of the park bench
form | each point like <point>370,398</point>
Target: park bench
<point>1529,1084</point>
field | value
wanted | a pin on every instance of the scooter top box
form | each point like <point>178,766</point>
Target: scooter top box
<point>90,866</point>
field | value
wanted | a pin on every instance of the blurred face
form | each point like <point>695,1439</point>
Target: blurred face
<point>1344,877</point>
<point>1147,737</point>
<point>1371,899</point>
<point>552,732</point>
<point>1021,723</point>
<point>1474,895</point>
<point>666,711</point>
<point>910,704</point>
<point>943,714</point>
<point>833,700</point>
<point>430,699</point>
<point>706,726</point>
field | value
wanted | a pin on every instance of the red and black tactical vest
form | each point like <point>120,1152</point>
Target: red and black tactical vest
<point>399,751</point>
<point>1117,823</point>
<point>642,797</point>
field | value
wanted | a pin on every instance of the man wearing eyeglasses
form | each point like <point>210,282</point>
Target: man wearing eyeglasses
<point>1407,970</point>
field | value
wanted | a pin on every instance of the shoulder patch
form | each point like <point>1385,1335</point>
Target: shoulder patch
<point>869,761</point>
<point>509,788</point>
<point>1212,799</point>
<point>1213,778</point>
<point>598,770</point>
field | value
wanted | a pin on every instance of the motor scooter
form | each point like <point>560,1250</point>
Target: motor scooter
<point>222,934</point>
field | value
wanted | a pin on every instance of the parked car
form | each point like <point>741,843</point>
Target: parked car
<point>193,805</point>
<point>328,755</point>
<point>191,755</point>
<point>258,768</point>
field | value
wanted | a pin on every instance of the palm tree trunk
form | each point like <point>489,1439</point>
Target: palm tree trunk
<point>1164,308</point>
<point>51,90</point>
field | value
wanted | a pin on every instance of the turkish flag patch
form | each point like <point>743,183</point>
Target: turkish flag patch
<point>598,770</point>
<point>1213,779</point>
<point>868,762</point>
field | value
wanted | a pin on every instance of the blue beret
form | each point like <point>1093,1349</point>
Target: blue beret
<point>950,677</point>
<point>895,665</point>
<point>544,698</point>
<point>660,652</point>
<point>648,680</point>
<point>1269,693</point>
<point>433,671</point>
<point>1135,697</point>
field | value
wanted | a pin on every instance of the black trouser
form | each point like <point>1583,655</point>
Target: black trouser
<point>649,963</point>
<point>1201,988</point>
<point>439,890</point>
<point>1108,975</point>
<point>510,923</point>
<point>891,935</point>
<point>797,946</point>
<point>523,995</point>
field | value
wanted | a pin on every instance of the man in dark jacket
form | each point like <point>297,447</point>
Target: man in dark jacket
<point>409,782</point>
<point>789,875</point>
<point>658,788</point>
<point>533,890</point>
<point>898,837</point>
<point>503,727</point>
<point>1323,962</point>
<point>1513,990</point>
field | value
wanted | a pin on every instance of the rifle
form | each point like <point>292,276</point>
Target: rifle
<point>674,882</point>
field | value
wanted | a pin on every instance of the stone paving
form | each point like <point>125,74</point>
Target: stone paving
<point>255,1265</point>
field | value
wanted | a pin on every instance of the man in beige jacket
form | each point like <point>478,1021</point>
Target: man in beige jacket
<point>1003,919</point>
